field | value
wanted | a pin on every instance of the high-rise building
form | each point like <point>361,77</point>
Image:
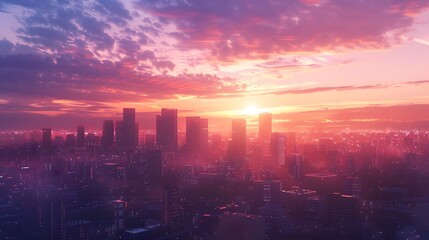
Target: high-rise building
<point>342,209</point>
<point>196,134</point>
<point>80,137</point>
<point>291,142</point>
<point>315,209</point>
<point>204,139</point>
<point>80,230</point>
<point>119,133</point>
<point>70,141</point>
<point>296,200</point>
<point>119,214</point>
<point>130,128</point>
<point>150,161</point>
<point>166,130</point>
<point>171,208</point>
<point>296,166</point>
<point>45,214</point>
<point>193,134</point>
<point>278,148</point>
<point>238,138</point>
<point>129,116</point>
<point>127,130</point>
<point>267,191</point>
<point>108,135</point>
<point>46,139</point>
<point>265,127</point>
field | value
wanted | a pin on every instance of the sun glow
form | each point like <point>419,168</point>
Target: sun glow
<point>251,110</point>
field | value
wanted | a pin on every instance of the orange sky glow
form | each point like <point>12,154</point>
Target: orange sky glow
<point>310,63</point>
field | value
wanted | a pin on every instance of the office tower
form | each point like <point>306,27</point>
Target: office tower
<point>108,135</point>
<point>171,206</point>
<point>92,142</point>
<point>204,139</point>
<point>196,134</point>
<point>80,137</point>
<point>315,209</point>
<point>119,214</point>
<point>291,142</point>
<point>296,166</point>
<point>267,191</point>
<point>296,201</point>
<point>274,215</point>
<point>265,126</point>
<point>342,209</point>
<point>80,230</point>
<point>119,133</point>
<point>70,141</point>
<point>150,162</point>
<point>59,141</point>
<point>166,130</point>
<point>149,142</point>
<point>46,139</point>
<point>129,115</point>
<point>323,183</point>
<point>45,213</point>
<point>238,138</point>
<point>127,130</point>
<point>193,134</point>
<point>278,148</point>
<point>352,186</point>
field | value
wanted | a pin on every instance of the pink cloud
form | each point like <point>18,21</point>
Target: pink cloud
<point>257,29</point>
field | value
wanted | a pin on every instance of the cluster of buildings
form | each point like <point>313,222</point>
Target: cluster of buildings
<point>248,185</point>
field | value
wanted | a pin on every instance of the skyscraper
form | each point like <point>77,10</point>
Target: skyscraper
<point>296,166</point>
<point>46,139</point>
<point>171,208</point>
<point>108,135</point>
<point>193,133</point>
<point>70,141</point>
<point>80,137</point>
<point>119,214</point>
<point>166,130</point>
<point>278,148</point>
<point>127,129</point>
<point>267,191</point>
<point>238,138</point>
<point>196,134</point>
<point>130,128</point>
<point>204,139</point>
<point>45,213</point>
<point>265,127</point>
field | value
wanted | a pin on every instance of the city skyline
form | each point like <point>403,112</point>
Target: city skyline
<point>214,119</point>
<point>308,62</point>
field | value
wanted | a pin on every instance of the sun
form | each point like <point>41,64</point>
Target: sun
<point>251,110</point>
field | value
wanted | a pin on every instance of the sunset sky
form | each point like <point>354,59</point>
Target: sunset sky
<point>310,62</point>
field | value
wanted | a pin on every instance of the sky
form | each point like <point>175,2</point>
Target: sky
<point>312,63</point>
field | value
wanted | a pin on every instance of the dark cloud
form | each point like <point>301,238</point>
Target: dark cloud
<point>115,11</point>
<point>257,29</point>
<point>40,78</point>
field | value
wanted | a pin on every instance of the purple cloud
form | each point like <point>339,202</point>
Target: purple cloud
<point>257,29</point>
